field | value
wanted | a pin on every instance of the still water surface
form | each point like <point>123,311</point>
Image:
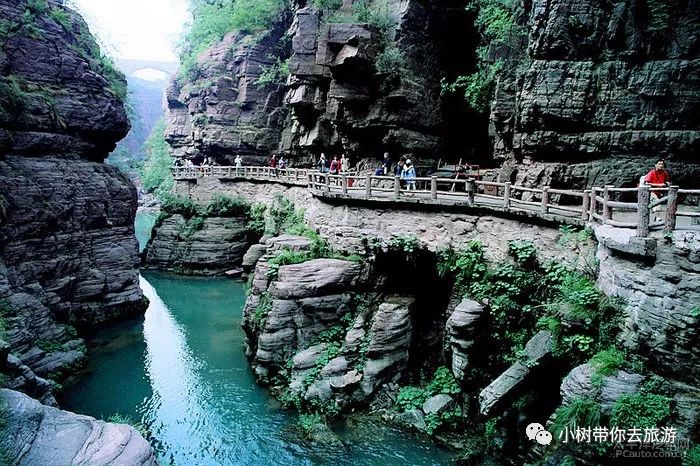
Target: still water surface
<point>182,373</point>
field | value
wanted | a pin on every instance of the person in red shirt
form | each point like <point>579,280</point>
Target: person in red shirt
<point>273,161</point>
<point>658,177</point>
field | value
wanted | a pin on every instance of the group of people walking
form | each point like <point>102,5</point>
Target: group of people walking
<point>336,166</point>
<point>404,169</point>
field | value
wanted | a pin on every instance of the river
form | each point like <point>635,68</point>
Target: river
<point>182,373</point>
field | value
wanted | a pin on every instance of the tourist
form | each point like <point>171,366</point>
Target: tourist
<point>238,161</point>
<point>335,168</point>
<point>322,163</point>
<point>386,164</point>
<point>409,175</point>
<point>658,177</point>
<point>282,164</point>
<point>344,164</point>
<point>273,161</point>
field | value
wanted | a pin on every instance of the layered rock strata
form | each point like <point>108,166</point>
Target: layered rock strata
<point>68,255</point>
<point>607,88</point>
<point>216,245</point>
<point>333,97</point>
<point>30,434</point>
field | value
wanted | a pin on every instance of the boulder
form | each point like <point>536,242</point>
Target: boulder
<point>507,384</point>
<point>32,434</point>
<point>250,258</point>
<point>413,418</point>
<point>438,404</point>
<point>316,277</point>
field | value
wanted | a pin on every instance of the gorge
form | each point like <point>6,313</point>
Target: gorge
<point>368,332</point>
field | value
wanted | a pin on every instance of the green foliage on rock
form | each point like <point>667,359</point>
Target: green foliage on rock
<point>49,346</point>
<point>412,397</point>
<point>641,410</point>
<point>222,205</point>
<point>692,456</point>
<point>156,173</point>
<point>213,19</point>
<point>606,362</point>
<point>580,412</point>
<point>262,309</point>
<point>276,73</point>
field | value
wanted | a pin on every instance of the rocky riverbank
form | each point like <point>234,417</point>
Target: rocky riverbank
<point>68,255</point>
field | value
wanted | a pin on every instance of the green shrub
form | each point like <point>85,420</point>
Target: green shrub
<point>307,423</point>
<point>49,346</point>
<point>13,98</point>
<point>477,88</point>
<point>443,382</point>
<point>606,362</point>
<point>692,456</point>
<point>276,73</point>
<point>581,412</point>
<point>411,397</point>
<point>328,4</point>
<point>222,205</point>
<point>181,205</point>
<point>286,257</point>
<point>192,225</point>
<point>262,309</point>
<point>156,173</point>
<point>641,410</point>
<point>211,21</point>
<point>256,218</point>
<point>61,17</point>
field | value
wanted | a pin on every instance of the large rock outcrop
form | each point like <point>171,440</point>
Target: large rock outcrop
<point>607,88</point>
<point>35,434</point>
<point>215,245</point>
<point>329,94</point>
<point>68,254</point>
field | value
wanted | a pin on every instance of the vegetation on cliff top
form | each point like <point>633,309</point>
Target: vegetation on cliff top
<point>155,174</point>
<point>213,19</point>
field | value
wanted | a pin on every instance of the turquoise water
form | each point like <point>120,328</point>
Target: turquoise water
<point>143,225</point>
<point>182,372</point>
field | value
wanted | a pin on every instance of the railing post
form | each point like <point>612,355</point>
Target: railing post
<point>586,204</point>
<point>506,196</point>
<point>545,200</point>
<point>344,183</point>
<point>397,187</point>
<point>671,208</point>
<point>607,210</point>
<point>368,186</point>
<point>643,194</point>
<point>594,203</point>
<point>328,182</point>
<point>470,187</point>
<point>433,187</point>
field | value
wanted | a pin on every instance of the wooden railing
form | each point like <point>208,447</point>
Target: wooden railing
<point>298,176</point>
<point>645,209</point>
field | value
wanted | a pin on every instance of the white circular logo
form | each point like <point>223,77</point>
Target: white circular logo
<point>532,429</point>
<point>543,437</point>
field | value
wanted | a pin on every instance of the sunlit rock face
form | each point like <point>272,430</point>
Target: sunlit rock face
<point>334,99</point>
<point>68,255</point>
<point>608,88</point>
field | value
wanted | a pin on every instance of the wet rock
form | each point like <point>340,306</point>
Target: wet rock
<point>413,418</point>
<point>31,433</point>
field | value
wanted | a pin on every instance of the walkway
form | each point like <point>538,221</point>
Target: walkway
<point>603,205</point>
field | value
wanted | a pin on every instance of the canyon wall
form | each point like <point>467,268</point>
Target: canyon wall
<point>330,96</point>
<point>68,254</point>
<point>601,91</point>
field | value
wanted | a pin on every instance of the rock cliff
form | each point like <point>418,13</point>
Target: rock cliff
<point>68,255</point>
<point>31,432</point>
<point>330,90</point>
<point>603,90</point>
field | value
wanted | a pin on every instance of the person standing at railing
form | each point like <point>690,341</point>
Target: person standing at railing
<point>282,164</point>
<point>658,177</point>
<point>238,163</point>
<point>344,164</point>
<point>409,175</point>
<point>335,166</point>
<point>322,163</point>
<point>273,161</point>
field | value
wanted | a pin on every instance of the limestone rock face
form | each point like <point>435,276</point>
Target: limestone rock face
<point>218,245</point>
<point>661,294</point>
<point>68,254</point>
<point>65,106</point>
<point>462,332</point>
<point>608,88</point>
<point>333,96</point>
<point>387,355</point>
<point>578,384</point>
<point>36,434</point>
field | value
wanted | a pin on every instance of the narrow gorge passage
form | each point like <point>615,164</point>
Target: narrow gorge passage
<point>183,374</point>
